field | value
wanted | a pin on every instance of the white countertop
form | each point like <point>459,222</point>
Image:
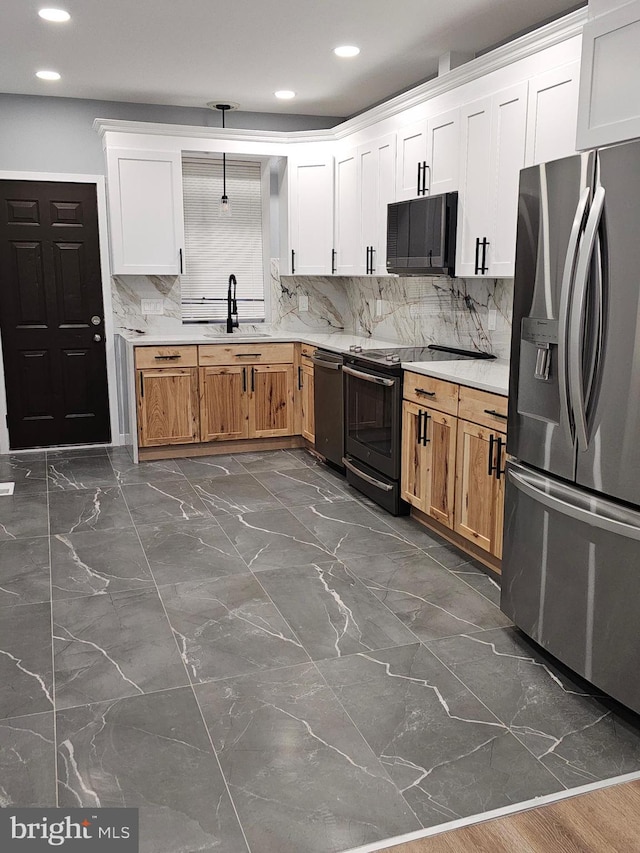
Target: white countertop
<point>485,374</point>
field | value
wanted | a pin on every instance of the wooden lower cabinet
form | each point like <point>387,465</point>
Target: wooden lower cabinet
<point>271,405</point>
<point>480,486</point>
<point>224,403</point>
<point>429,461</point>
<point>307,391</point>
<point>167,401</point>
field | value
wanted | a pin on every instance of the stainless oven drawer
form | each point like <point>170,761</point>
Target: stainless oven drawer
<point>380,488</point>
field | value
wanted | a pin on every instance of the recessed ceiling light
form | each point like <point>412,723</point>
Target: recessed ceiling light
<point>346,50</point>
<point>285,94</point>
<point>48,75</point>
<point>59,16</point>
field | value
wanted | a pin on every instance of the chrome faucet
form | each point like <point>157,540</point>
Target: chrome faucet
<point>232,306</point>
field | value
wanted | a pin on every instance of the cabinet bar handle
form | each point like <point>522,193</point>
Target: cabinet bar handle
<point>299,378</point>
<point>419,431</point>
<point>180,253</point>
<point>373,266</point>
<point>167,357</point>
<point>491,467</point>
<point>293,262</point>
<point>248,354</point>
<point>495,414</point>
<point>425,440</point>
<point>425,393</point>
<point>333,261</point>
<point>142,384</point>
<point>477,266</point>
<point>253,382</point>
<point>499,471</point>
<point>368,264</point>
<point>426,189</point>
<point>484,268</point>
<point>419,190</point>
<point>244,380</point>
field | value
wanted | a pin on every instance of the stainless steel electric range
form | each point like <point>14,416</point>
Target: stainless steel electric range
<point>373,417</point>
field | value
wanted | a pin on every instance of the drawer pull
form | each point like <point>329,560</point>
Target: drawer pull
<point>495,414</point>
<point>425,393</point>
<point>248,354</point>
<point>167,357</point>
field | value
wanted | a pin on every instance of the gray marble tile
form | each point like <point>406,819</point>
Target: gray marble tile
<point>268,540</point>
<point>100,508</point>
<point>80,472</point>
<point>228,627</point>
<point>430,600</point>
<point>306,458</point>
<point>268,460</point>
<point>450,557</point>
<point>410,529</point>
<point>348,529</point>
<point>24,571</point>
<point>192,550</point>
<point>208,467</point>
<point>28,472</point>
<point>480,581</point>
<point>170,499</point>
<point>127,472</point>
<point>111,646</point>
<point>331,611</point>
<point>446,752</point>
<point>97,562</point>
<point>150,752</point>
<point>301,487</point>
<point>301,776</point>
<point>235,494</point>
<point>24,516</point>
<point>25,660</point>
<point>27,762</point>
<point>556,716</point>
<point>77,453</point>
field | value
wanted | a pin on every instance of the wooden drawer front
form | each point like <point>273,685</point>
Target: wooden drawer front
<point>246,354</point>
<point>435,393</point>
<point>484,408</point>
<point>305,361</point>
<point>307,349</point>
<point>166,357</point>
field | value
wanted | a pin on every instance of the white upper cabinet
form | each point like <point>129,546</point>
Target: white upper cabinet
<point>377,188</point>
<point>609,108</point>
<point>493,134</point>
<point>145,211</point>
<point>347,215</point>
<point>310,215</point>
<point>552,114</point>
<point>428,155</point>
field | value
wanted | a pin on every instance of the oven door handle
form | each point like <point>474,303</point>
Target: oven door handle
<point>385,487</point>
<point>377,380</point>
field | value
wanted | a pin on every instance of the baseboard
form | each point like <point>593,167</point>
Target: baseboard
<point>491,563</point>
<point>220,448</point>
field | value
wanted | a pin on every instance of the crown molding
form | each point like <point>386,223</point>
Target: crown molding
<point>527,45</point>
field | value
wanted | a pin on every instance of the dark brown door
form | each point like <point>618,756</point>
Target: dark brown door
<point>51,314</point>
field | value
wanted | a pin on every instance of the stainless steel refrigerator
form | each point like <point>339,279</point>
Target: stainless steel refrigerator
<point>571,564</point>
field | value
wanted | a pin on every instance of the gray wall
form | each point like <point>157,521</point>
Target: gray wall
<point>40,134</point>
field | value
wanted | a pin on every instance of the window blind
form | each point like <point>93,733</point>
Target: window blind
<point>216,246</point>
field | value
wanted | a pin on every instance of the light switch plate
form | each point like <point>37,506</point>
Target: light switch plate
<point>303,302</point>
<point>379,307</point>
<point>492,322</point>
<point>152,306</point>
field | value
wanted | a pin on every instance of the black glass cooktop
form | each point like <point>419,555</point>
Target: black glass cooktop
<point>433,352</point>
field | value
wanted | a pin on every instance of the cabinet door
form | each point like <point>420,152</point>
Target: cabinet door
<point>310,215</point>
<point>224,402</point>
<point>443,135</point>
<point>478,492</point>
<point>376,189</point>
<point>552,114</point>
<point>347,216</point>
<point>508,133</point>
<point>412,152</point>
<point>271,406</point>
<point>145,210</point>
<point>476,186</point>
<point>428,461</point>
<point>307,402</point>
<point>167,406</point>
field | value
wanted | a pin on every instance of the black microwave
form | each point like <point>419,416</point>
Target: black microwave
<point>421,235</point>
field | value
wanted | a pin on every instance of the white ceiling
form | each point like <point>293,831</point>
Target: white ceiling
<point>189,52</point>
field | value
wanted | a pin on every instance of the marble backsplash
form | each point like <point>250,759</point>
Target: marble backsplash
<point>415,310</point>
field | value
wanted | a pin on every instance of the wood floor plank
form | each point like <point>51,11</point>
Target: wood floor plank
<point>605,821</point>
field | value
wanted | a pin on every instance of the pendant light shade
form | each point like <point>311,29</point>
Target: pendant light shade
<point>225,204</point>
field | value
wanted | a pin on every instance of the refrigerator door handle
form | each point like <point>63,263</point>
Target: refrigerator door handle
<point>563,319</point>
<point>576,318</point>
<point>557,498</point>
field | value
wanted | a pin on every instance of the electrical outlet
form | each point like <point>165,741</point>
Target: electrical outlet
<point>492,322</point>
<point>152,306</point>
<point>379,307</point>
<point>303,302</point>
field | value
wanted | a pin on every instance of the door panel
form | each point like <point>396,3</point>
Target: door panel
<point>167,406</point>
<point>271,406</point>
<point>224,403</point>
<point>50,287</point>
<point>442,437</point>
<point>413,479</point>
<point>612,460</point>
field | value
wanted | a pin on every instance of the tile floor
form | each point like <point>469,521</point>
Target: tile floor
<point>262,660</point>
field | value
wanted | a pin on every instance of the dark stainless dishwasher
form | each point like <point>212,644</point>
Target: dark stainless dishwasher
<point>329,406</point>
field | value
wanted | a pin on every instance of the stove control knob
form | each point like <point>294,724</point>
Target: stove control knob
<point>395,359</point>
<point>355,348</point>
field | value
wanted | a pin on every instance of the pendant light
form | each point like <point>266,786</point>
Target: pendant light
<point>225,204</point>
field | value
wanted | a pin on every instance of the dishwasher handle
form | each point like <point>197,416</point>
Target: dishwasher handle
<point>330,365</point>
<point>369,377</point>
